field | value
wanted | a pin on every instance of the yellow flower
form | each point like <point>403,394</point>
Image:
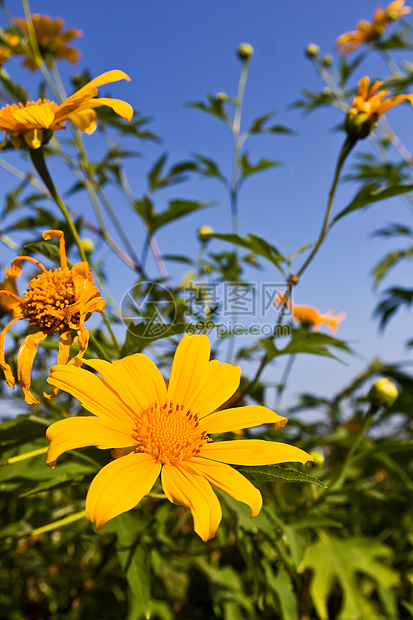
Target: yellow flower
<point>308,316</point>
<point>370,31</point>
<point>51,39</point>
<point>55,301</point>
<point>32,123</point>
<point>157,430</point>
<point>367,107</point>
<point>5,51</point>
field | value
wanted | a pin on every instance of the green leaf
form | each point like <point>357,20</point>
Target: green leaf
<point>275,473</point>
<point>208,168</point>
<point>333,559</point>
<point>214,106</point>
<point>371,193</point>
<point>45,248</point>
<point>282,587</point>
<point>258,126</point>
<point>257,246</point>
<point>140,335</point>
<point>394,298</point>
<point>389,261</point>
<point>177,209</point>
<point>22,429</point>
<point>133,559</point>
<point>305,341</point>
<point>247,168</point>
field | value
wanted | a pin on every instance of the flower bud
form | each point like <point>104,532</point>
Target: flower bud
<point>87,245</point>
<point>318,457</point>
<point>222,97</point>
<point>204,232</point>
<point>358,123</point>
<point>245,51</point>
<point>383,393</point>
<point>327,60</point>
<point>312,50</point>
<point>293,279</point>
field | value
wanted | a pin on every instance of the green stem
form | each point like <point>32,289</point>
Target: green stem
<point>36,52</point>
<point>345,150</point>
<point>111,332</point>
<point>236,128</point>
<point>283,382</point>
<point>37,157</point>
<point>60,523</point>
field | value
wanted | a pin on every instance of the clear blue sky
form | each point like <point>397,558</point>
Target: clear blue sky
<point>176,51</point>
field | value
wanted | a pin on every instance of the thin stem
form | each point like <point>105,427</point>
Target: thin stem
<point>37,157</point>
<point>283,381</point>
<point>37,55</point>
<point>60,523</point>
<point>236,127</point>
<point>111,332</point>
<point>345,150</point>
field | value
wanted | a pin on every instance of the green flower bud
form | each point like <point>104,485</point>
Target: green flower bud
<point>359,124</point>
<point>318,457</point>
<point>204,232</point>
<point>312,50</point>
<point>245,51</point>
<point>383,393</point>
<point>87,245</point>
<point>222,97</point>
<point>327,60</point>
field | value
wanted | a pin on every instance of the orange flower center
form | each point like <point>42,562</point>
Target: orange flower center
<point>170,433</point>
<point>46,299</point>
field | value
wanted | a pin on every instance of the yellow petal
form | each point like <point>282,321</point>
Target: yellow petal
<point>65,341</point>
<point>38,115</point>
<point>219,383</point>
<point>227,479</point>
<point>122,108</point>
<point>185,488</point>
<point>120,486</point>
<point>240,417</point>
<point>25,359</point>
<point>79,432</point>
<point>85,120</point>
<point>253,452</point>
<point>189,365</point>
<point>92,392</point>
<point>6,367</point>
<point>135,377</point>
<point>75,101</point>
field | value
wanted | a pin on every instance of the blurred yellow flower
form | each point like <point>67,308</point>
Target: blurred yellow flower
<point>5,50</point>
<point>157,430</point>
<point>370,31</point>
<point>55,301</point>
<point>7,304</point>
<point>33,123</point>
<point>367,107</point>
<point>310,317</point>
<point>51,39</point>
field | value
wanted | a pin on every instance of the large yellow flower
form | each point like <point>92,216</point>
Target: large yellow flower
<point>56,301</point>
<point>370,31</point>
<point>367,107</point>
<point>32,123</point>
<point>51,39</point>
<point>157,430</point>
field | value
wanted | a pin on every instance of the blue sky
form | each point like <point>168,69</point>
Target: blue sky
<point>176,51</point>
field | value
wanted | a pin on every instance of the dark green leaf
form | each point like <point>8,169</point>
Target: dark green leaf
<point>275,473</point>
<point>305,341</point>
<point>372,193</point>
<point>247,168</point>
<point>257,246</point>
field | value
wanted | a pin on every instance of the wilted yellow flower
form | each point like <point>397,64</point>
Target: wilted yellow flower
<point>308,316</point>
<point>370,31</point>
<point>157,430</point>
<point>367,107</point>
<point>7,304</point>
<point>33,123</point>
<point>55,301</point>
<point>51,39</point>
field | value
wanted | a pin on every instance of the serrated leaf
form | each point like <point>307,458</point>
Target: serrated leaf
<point>332,558</point>
<point>275,473</point>
<point>213,106</point>
<point>390,261</point>
<point>370,194</point>
<point>208,168</point>
<point>257,246</point>
<point>394,298</point>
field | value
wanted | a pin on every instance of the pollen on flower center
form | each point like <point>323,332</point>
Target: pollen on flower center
<point>169,432</point>
<point>47,297</point>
